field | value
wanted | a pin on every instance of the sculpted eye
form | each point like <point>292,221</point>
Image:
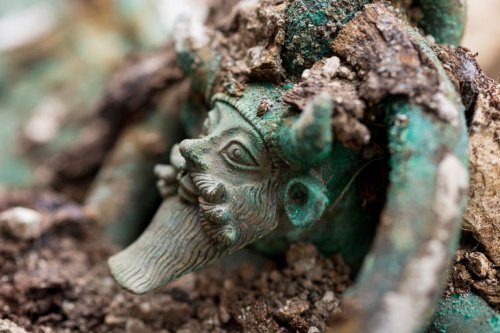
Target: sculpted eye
<point>236,154</point>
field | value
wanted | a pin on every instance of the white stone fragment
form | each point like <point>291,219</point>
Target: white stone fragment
<point>331,67</point>
<point>7,326</point>
<point>22,223</point>
<point>328,69</point>
<point>328,297</point>
<point>313,329</point>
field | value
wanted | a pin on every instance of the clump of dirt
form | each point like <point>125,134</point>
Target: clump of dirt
<point>250,43</point>
<point>43,281</point>
<point>299,297</point>
<point>409,10</point>
<point>473,271</point>
<point>331,76</point>
<point>59,282</point>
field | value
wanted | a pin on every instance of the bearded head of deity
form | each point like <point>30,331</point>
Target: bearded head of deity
<point>246,173</point>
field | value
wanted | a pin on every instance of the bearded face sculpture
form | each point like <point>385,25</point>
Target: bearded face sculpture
<point>223,190</point>
<point>231,172</point>
<point>220,196</point>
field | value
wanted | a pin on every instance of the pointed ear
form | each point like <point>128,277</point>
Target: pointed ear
<point>305,201</point>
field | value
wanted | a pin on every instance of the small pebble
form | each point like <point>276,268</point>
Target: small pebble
<point>292,308</point>
<point>478,263</point>
<point>7,326</point>
<point>328,297</point>
<point>22,223</point>
<point>145,307</point>
<point>313,329</point>
<point>135,326</point>
<point>112,320</point>
<point>224,314</point>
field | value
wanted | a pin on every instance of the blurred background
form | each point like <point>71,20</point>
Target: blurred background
<point>482,34</point>
<point>55,59</point>
<point>56,56</point>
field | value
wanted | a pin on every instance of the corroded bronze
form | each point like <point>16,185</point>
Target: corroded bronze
<point>268,169</point>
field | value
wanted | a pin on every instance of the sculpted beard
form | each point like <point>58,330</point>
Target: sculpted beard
<point>184,236</point>
<point>238,218</point>
<point>172,245</point>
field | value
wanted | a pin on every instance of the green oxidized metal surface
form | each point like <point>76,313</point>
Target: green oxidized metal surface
<point>310,28</point>
<point>443,19</point>
<point>275,173</point>
<point>282,176</point>
<point>466,313</point>
<point>312,25</point>
<point>407,217</point>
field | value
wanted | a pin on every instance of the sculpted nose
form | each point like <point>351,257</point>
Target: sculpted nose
<point>192,150</point>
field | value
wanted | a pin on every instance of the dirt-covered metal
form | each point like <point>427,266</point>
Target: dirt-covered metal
<point>267,169</point>
<point>313,106</point>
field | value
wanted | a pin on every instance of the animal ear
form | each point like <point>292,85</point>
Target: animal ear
<point>305,201</point>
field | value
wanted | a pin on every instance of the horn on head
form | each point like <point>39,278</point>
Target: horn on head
<point>309,139</point>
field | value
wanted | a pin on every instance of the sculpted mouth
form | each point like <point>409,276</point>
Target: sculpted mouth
<point>213,192</point>
<point>190,186</point>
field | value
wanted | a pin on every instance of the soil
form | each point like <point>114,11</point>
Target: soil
<point>476,265</point>
<point>59,282</point>
<point>473,271</point>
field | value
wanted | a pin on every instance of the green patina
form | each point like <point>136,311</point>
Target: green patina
<point>312,25</point>
<point>466,313</point>
<point>314,195</point>
<point>352,233</point>
<point>443,19</point>
<point>310,28</point>
<point>416,142</point>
